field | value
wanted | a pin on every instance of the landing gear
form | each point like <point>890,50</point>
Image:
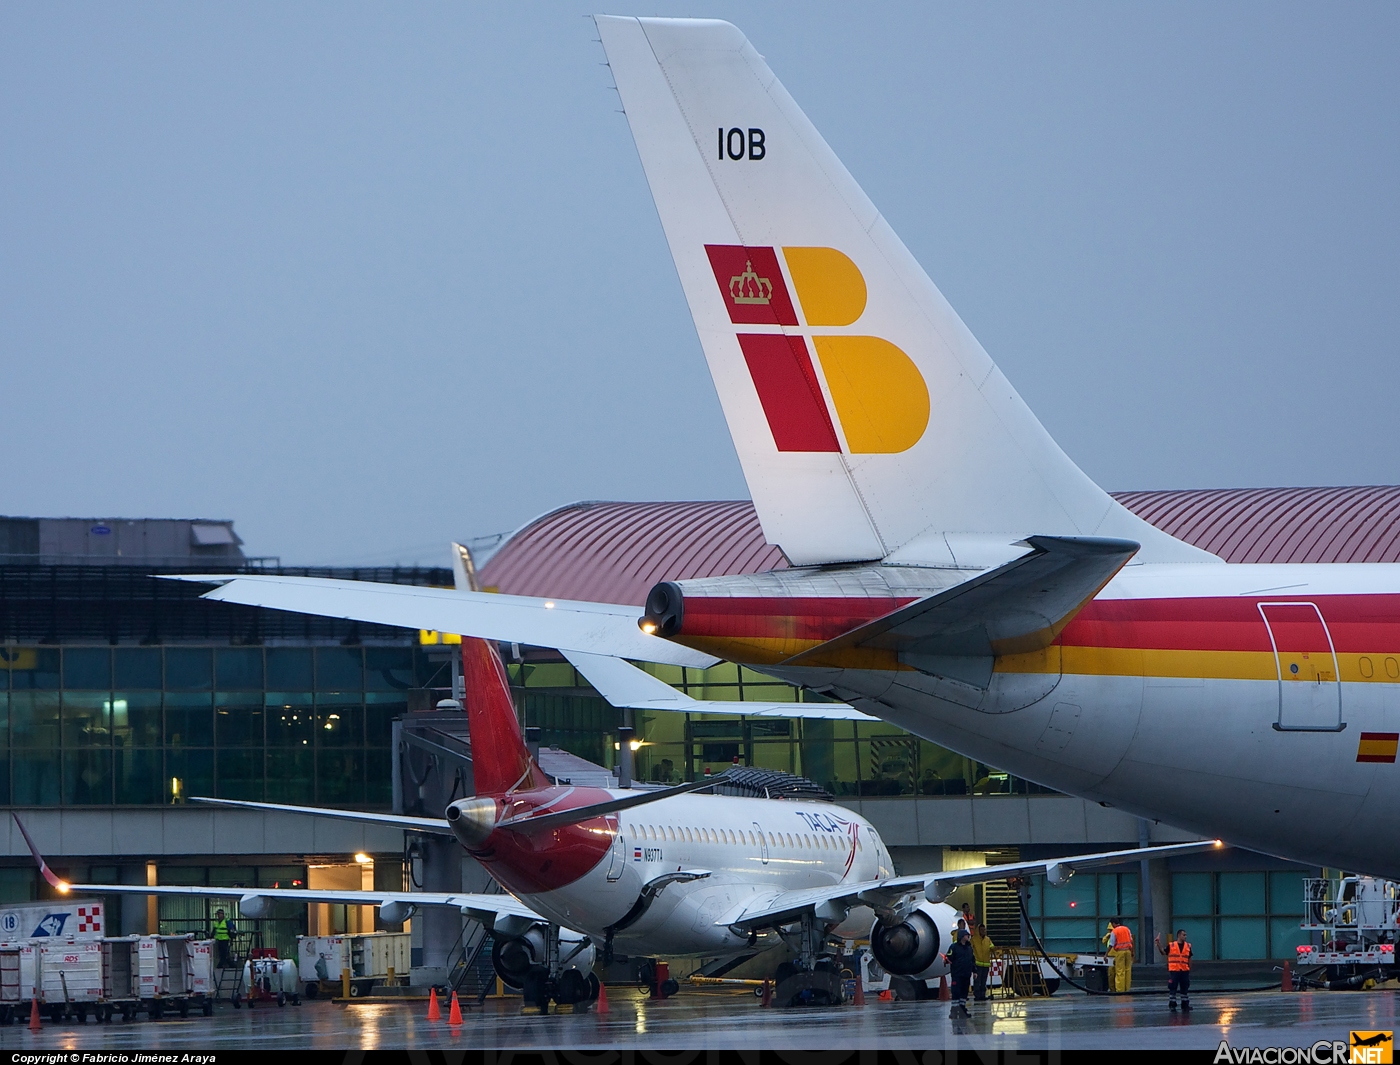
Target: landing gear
<point>546,970</point>
<point>814,979</point>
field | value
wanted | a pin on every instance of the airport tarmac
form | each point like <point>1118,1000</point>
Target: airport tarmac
<point>722,1019</point>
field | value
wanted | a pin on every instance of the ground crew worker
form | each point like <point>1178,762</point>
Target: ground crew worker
<point>1121,951</point>
<point>1178,953</point>
<point>960,966</point>
<point>982,961</point>
<point>223,937</point>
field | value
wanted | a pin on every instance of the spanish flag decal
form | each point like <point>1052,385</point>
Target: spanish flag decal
<point>1378,747</point>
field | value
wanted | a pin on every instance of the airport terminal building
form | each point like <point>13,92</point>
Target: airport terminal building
<point>124,694</point>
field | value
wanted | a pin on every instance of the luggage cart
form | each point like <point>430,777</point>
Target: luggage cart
<point>69,982</point>
<point>119,983</point>
<point>16,980</point>
<point>164,974</point>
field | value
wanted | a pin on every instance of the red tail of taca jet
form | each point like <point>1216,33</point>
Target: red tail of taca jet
<point>501,763</point>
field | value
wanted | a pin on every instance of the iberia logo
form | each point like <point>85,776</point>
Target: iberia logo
<point>880,398</point>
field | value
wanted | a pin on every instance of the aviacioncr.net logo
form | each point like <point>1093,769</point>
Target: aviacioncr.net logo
<point>881,400</point>
<point>1372,1048</point>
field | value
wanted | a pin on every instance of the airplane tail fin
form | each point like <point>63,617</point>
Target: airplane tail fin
<point>869,421</point>
<point>500,760</point>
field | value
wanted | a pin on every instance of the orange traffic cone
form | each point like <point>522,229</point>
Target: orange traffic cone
<point>434,1012</point>
<point>945,993</point>
<point>886,995</point>
<point>1286,984</point>
<point>859,999</point>
<point>601,1006</point>
<point>454,1015</point>
<point>34,1024</point>
<point>767,999</point>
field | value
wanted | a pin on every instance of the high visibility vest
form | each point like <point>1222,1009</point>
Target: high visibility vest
<point>221,929</point>
<point>1179,957</point>
<point>1122,938</point>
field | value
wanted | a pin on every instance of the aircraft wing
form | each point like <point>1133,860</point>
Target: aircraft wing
<point>1015,608</point>
<point>482,907</point>
<point>485,908</point>
<point>601,628</point>
<point>431,825</point>
<point>832,902</point>
<point>623,684</point>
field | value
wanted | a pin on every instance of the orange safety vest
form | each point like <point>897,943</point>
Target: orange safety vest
<point>1122,938</point>
<point>1178,957</point>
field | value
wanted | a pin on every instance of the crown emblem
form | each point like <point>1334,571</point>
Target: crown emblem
<point>748,287</point>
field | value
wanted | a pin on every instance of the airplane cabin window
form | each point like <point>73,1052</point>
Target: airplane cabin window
<point>632,831</point>
<point>670,833</point>
<point>770,840</point>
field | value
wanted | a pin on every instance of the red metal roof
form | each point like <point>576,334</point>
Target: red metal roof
<point>1279,524</point>
<point>615,552</point>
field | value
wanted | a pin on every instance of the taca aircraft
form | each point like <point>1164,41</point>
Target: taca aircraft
<point>954,572</point>
<point>652,873</point>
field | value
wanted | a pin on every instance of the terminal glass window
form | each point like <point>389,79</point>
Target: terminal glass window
<point>149,725</point>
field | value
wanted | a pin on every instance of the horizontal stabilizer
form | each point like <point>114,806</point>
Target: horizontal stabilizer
<point>605,628</point>
<point>431,825</point>
<point>1018,607</point>
<point>623,684</point>
<point>540,822</point>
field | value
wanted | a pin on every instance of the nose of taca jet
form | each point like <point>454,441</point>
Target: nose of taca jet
<point>472,820</point>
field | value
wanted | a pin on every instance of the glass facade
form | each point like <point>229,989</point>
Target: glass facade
<point>848,758</point>
<point>1073,917</point>
<point>97,726</point>
<point>1228,916</point>
<point>1239,915</point>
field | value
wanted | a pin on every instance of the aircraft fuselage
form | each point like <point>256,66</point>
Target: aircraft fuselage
<point>1260,703</point>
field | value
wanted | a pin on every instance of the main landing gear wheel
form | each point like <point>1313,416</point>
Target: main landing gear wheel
<point>816,988</point>
<point>595,987</point>
<point>572,988</point>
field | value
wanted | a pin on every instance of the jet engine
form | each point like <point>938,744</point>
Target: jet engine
<point>915,946</point>
<point>256,907</point>
<point>515,957</point>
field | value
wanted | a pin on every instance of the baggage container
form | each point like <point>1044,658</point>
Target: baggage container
<point>369,956</point>
<point>70,974</point>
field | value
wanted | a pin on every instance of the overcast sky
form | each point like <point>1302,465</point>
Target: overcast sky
<point>367,278</point>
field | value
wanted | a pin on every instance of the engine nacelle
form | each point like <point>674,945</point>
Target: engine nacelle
<point>256,907</point>
<point>915,946</point>
<point>396,912</point>
<point>515,956</point>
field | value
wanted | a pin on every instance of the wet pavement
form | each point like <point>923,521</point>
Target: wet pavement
<point>725,1019</point>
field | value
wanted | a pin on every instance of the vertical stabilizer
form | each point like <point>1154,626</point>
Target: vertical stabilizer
<point>868,420</point>
<point>500,761</point>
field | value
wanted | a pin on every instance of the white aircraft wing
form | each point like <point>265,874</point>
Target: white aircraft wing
<point>255,901</point>
<point>600,628</point>
<point>623,684</point>
<point>486,908</point>
<point>832,902</point>
<point>432,825</point>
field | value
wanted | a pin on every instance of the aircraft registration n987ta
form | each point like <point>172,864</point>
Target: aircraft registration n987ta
<point>954,571</point>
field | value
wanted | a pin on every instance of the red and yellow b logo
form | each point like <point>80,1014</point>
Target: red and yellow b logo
<point>881,400</point>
